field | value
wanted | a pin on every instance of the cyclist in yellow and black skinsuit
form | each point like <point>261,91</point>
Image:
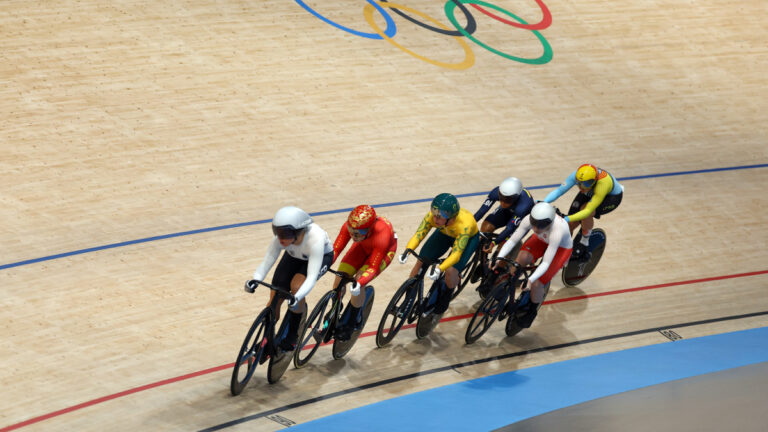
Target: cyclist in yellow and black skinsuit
<point>458,231</point>
<point>599,193</point>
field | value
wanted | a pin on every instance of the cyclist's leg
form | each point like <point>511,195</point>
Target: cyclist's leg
<point>538,287</point>
<point>286,269</point>
<point>295,314</point>
<point>435,246</point>
<point>352,263</point>
<point>577,205</point>
<point>452,277</point>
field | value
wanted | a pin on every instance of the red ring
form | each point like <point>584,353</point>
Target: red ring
<point>546,19</point>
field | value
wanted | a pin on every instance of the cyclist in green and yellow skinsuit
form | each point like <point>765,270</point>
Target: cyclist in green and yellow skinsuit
<point>456,230</point>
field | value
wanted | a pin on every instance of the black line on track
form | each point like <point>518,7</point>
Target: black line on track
<point>471,363</point>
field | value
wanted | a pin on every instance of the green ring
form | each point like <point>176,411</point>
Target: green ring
<point>545,58</point>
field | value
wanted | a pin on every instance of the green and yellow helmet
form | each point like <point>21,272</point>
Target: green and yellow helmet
<point>445,205</point>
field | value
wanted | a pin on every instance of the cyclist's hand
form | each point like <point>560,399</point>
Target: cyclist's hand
<point>250,286</point>
<point>435,273</point>
<point>488,248</point>
<point>355,290</point>
<point>403,258</point>
<point>293,302</point>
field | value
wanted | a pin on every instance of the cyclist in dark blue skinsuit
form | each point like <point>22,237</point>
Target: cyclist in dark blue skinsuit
<point>514,204</point>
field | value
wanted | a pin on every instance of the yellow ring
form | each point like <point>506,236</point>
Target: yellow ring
<point>469,58</point>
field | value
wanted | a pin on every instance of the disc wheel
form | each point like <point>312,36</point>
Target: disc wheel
<point>577,271</point>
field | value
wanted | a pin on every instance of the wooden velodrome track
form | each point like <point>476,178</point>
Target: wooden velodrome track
<point>124,122</point>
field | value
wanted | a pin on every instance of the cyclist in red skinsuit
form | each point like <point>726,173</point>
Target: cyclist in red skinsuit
<point>375,244</point>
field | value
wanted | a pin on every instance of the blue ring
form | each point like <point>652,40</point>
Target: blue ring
<point>390,31</point>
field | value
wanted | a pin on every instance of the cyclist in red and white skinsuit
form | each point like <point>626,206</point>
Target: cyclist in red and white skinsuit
<point>551,239</point>
<point>374,245</point>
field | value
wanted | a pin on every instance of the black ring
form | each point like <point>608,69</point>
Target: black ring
<point>471,24</point>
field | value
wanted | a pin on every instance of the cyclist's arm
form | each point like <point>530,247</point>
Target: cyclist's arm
<point>567,184</point>
<point>459,245</point>
<point>555,238</point>
<point>492,197</point>
<point>602,188</point>
<point>381,243</point>
<point>508,230</point>
<point>421,232</point>
<point>523,207</point>
<point>341,242</point>
<point>316,253</point>
<point>525,226</point>
<point>273,251</point>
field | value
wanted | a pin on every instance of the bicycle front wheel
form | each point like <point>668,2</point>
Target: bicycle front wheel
<point>254,348</point>
<point>397,311</point>
<point>341,348</point>
<point>487,312</point>
<point>314,330</point>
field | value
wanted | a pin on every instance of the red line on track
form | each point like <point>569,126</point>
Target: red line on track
<point>453,318</point>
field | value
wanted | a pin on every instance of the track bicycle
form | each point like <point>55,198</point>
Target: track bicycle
<point>410,304</point>
<point>477,267</point>
<point>501,302</point>
<point>325,321</point>
<point>262,343</point>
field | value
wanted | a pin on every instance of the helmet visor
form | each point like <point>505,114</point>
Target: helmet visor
<point>541,223</point>
<point>587,184</point>
<point>508,199</point>
<point>436,212</point>
<point>285,232</point>
<point>360,232</point>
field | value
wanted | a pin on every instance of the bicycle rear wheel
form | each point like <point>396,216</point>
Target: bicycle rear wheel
<point>397,311</point>
<point>314,330</point>
<point>487,312</point>
<point>341,348</point>
<point>577,271</point>
<point>253,348</point>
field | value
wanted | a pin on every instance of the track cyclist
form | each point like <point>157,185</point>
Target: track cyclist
<point>551,240</point>
<point>599,193</point>
<point>514,204</point>
<point>308,255</point>
<point>374,245</point>
<point>456,230</point>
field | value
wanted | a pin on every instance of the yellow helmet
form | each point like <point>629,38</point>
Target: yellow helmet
<point>586,175</point>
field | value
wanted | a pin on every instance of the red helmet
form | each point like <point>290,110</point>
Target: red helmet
<point>362,217</point>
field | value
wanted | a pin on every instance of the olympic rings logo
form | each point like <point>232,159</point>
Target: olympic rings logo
<point>458,32</point>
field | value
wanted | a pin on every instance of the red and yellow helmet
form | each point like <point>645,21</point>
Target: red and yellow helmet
<point>362,217</point>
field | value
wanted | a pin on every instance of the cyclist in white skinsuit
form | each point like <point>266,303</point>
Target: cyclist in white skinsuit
<point>551,240</point>
<point>308,255</point>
